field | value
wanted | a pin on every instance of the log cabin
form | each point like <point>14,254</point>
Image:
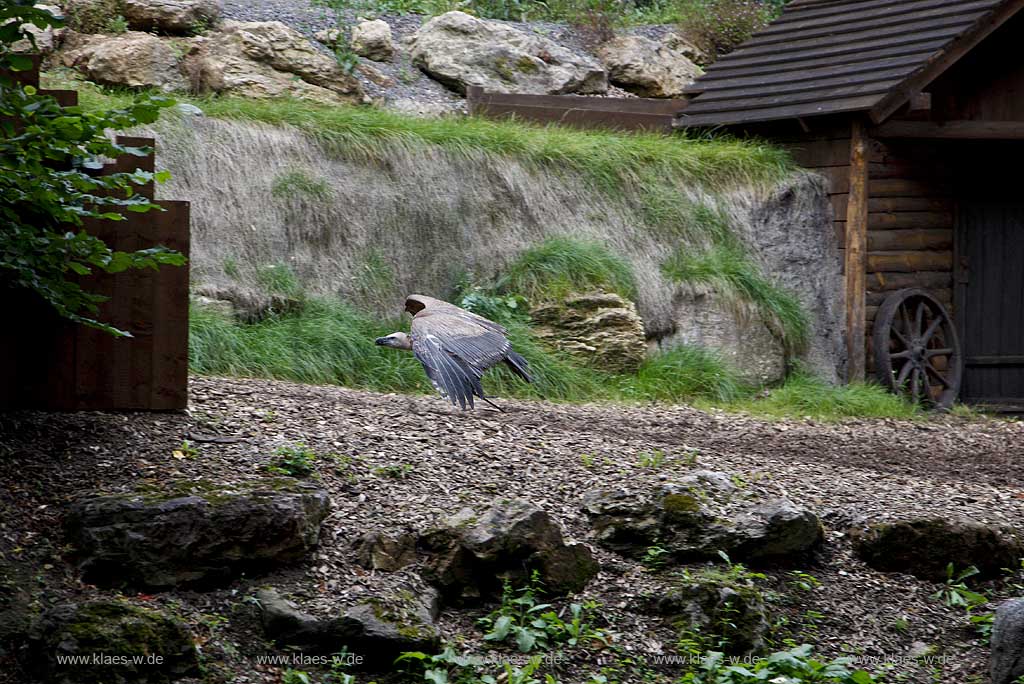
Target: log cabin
<point>914,112</point>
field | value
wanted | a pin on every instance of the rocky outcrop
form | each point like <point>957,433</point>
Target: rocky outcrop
<point>377,631</point>
<point>470,556</point>
<point>646,67</point>
<point>600,328</point>
<point>741,338</point>
<point>924,547</point>
<point>372,40</point>
<point>194,533</point>
<point>677,43</point>
<point>1006,664</point>
<point>379,551</point>
<point>700,515</point>
<point>269,59</point>
<point>132,59</point>
<point>460,50</point>
<point>105,631</point>
<point>714,610</point>
<point>171,16</point>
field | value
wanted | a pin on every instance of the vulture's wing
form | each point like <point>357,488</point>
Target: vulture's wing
<point>455,350</point>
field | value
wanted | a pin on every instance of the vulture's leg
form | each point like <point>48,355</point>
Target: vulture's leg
<point>493,404</point>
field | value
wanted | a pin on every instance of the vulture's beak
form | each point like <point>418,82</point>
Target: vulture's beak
<point>382,342</point>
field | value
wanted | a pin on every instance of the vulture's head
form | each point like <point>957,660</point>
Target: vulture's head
<point>398,340</point>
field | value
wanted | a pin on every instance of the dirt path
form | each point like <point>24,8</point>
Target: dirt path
<point>401,463</point>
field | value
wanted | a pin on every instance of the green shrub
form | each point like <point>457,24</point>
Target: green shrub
<point>559,266</point>
<point>294,461</point>
<point>796,666</point>
<point>719,26</point>
<point>684,373</point>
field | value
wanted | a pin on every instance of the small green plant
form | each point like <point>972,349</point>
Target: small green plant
<point>294,461</point>
<point>186,450</point>
<point>117,24</point>
<point>395,471</point>
<point>448,667</point>
<point>652,459</point>
<point>982,623</point>
<point>496,307</point>
<point>803,580</point>
<point>956,593</point>
<point>296,677</point>
<point>901,625</point>
<point>796,666</point>
<point>587,460</point>
<point>231,267</point>
<point>300,183</point>
<point>656,557</point>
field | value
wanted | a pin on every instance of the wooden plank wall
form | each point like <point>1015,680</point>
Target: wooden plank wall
<point>627,114</point>
<point>48,363</point>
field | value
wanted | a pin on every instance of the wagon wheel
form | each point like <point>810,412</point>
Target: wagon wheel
<point>917,353</point>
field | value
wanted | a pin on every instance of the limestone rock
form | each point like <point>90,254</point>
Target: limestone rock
<point>601,328</point>
<point>1006,664</point>
<point>469,557</point>
<point>677,43</point>
<point>378,551</point>
<point>372,39</point>
<point>730,612</point>
<point>697,516</point>
<point>46,39</point>
<point>171,16</point>
<point>704,319</point>
<point>646,67</point>
<point>378,630</point>
<point>113,628</point>
<point>269,59</point>
<point>132,59</point>
<point>329,37</point>
<point>195,533</point>
<point>460,50</point>
<point>923,547</point>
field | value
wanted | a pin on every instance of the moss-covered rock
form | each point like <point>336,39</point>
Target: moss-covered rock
<point>111,642</point>
<point>924,547</point>
<point>194,533</point>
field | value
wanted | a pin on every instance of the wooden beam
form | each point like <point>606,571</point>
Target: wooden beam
<point>855,262</point>
<point>951,130</point>
<point>939,63</point>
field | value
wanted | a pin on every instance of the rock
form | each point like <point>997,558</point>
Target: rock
<point>46,39</point>
<point>171,16</point>
<point>190,110</point>
<point>372,39</point>
<point>697,516</point>
<point>329,37</point>
<point>720,612</point>
<point>408,105</point>
<point>195,533</point>
<point>1006,663</point>
<point>376,632</point>
<point>221,307</point>
<point>269,59</point>
<point>115,629</point>
<point>600,328</point>
<point>378,551</point>
<point>132,59</point>
<point>460,51</point>
<point>705,319</point>
<point>646,67</point>
<point>924,547</point>
<point>470,557</point>
<point>676,43</point>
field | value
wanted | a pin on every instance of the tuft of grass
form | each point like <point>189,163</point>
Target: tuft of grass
<point>728,270</point>
<point>300,183</point>
<point>279,279</point>
<point>562,265</point>
<point>803,395</point>
<point>684,373</point>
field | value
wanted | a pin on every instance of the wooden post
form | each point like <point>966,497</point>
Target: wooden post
<point>856,253</point>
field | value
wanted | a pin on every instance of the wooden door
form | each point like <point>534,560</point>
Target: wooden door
<point>990,300</point>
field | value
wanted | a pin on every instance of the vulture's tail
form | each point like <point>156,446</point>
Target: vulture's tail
<point>518,365</point>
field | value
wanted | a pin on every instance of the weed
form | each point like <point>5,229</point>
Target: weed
<point>652,459</point>
<point>231,267</point>
<point>803,581</point>
<point>656,557</point>
<point>718,26</point>
<point>294,461</point>
<point>296,677</point>
<point>117,24</point>
<point>901,625</point>
<point>796,665</point>
<point>186,450</point>
<point>395,471</point>
<point>299,183</point>
<point>982,623</point>
<point>955,592</point>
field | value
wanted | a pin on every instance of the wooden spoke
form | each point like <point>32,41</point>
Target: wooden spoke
<point>908,323</point>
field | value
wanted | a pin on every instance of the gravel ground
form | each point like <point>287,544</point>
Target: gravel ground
<point>404,462</point>
<point>398,84</point>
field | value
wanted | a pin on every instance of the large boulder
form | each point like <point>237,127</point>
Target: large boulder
<point>471,556</point>
<point>171,16</point>
<point>1006,663</point>
<point>705,319</point>
<point>376,632</point>
<point>924,547</point>
<point>269,59</point>
<point>646,67</point>
<point>132,59</point>
<point>195,533</point>
<point>111,634</point>
<point>372,39</point>
<point>600,328</point>
<point>460,50</point>
<point>700,515</point>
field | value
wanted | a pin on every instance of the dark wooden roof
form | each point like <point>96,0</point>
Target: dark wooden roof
<point>832,56</point>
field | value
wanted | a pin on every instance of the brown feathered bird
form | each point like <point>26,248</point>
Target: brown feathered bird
<point>455,347</point>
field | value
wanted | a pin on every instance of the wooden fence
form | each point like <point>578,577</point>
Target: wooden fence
<point>619,113</point>
<point>49,363</point>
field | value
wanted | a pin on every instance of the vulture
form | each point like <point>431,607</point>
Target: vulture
<point>455,347</point>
